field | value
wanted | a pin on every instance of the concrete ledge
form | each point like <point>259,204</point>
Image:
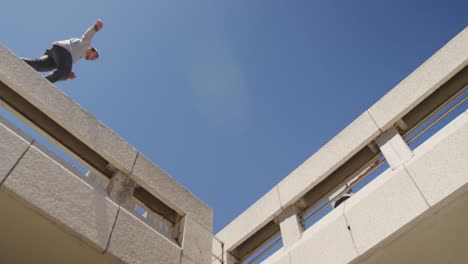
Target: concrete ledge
<point>153,179</point>
<point>11,148</point>
<point>26,82</point>
<point>133,241</point>
<point>56,193</point>
<point>422,82</point>
<point>337,151</point>
<point>252,219</point>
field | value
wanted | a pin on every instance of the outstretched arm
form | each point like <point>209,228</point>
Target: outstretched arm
<point>88,35</point>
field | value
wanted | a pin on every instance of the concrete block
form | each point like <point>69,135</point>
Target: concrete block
<point>11,148</point>
<point>440,164</point>
<point>64,198</point>
<point>158,183</point>
<point>394,148</point>
<point>121,189</point>
<point>279,257</point>
<point>133,241</point>
<point>343,146</point>
<point>251,220</point>
<point>327,241</point>
<point>197,242</point>
<point>439,68</point>
<point>381,208</point>
<point>56,104</point>
<point>290,225</point>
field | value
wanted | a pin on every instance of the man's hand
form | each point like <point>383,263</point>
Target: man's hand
<point>98,25</point>
<point>71,76</point>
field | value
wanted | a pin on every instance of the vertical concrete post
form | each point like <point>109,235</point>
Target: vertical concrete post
<point>290,225</point>
<point>121,189</point>
<point>394,148</point>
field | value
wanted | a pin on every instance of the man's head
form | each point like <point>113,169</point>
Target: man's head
<point>91,54</point>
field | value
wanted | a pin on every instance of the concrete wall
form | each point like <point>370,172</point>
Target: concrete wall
<point>52,215</point>
<point>427,192</point>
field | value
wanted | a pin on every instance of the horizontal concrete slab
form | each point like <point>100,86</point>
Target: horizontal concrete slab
<point>252,219</point>
<point>439,68</point>
<point>62,197</point>
<point>154,180</point>
<point>135,242</point>
<point>26,82</point>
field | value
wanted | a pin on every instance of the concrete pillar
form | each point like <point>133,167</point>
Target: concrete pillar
<point>394,148</point>
<point>121,189</point>
<point>290,225</point>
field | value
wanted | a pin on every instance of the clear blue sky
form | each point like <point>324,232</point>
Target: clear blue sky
<point>229,97</point>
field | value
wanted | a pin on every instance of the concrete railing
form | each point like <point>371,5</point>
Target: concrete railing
<point>378,131</point>
<point>130,175</point>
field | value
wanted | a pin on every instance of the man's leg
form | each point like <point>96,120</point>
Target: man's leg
<point>63,60</point>
<point>43,64</point>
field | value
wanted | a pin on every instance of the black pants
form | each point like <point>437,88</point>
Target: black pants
<point>55,58</point>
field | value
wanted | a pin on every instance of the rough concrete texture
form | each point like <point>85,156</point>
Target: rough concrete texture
<point>422,82</point>
<point>197,242</point>
<point>11,148</point>
<point>328,241</point>
<point>279,257</point>
<point>153,179</point>
<point>382,208</point>
<point>121,189</point>
<point>62,197</point>
<point>439,166</point>
<point>134,242</point>
<point>52,101</point>
<point>394,147</point>
<point>343,146</point>
<point>252,219</point>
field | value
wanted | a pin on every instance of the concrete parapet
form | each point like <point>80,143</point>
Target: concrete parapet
<point>12,147</point>
<point>440,164</point>
<point>133,241</point>
<point>55,192</point>
<point>328,241</point>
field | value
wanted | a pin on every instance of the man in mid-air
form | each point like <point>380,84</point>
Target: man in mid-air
<point>64,53</point>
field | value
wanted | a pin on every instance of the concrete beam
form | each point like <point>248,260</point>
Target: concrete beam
<point>428,77</point>
<point>43,95</point>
